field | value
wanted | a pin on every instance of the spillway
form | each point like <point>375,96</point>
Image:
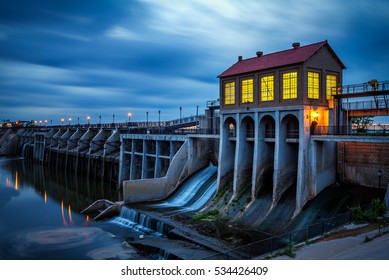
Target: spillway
<point>194,193</point>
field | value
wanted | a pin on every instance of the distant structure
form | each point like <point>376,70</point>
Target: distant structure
<point>269,105</point>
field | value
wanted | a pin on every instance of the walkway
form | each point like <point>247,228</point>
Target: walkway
<point>348,248</point>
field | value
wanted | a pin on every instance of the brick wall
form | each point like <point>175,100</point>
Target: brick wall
<point>358,163</point>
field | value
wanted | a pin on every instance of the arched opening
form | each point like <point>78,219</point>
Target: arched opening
<point>227,152</point>
<point>244,164</point>
<point>288,156</point>
<point>266,148</point>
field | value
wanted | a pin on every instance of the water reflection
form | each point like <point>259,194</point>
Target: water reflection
<point>39,215</point>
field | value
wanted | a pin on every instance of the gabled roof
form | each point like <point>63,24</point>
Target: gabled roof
<point>277,59</point>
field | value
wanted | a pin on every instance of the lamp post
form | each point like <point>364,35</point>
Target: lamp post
<point>180,113</point>
<point>147,119</point>
<point>45,122</point>
<point>88,119</point>
<point>129,116</point>
<point>379,174</point>
<point>62,120</point>
<point>159,120</point>
<point>100,120</point>
<point>113,119</point>
<point>70,120</point>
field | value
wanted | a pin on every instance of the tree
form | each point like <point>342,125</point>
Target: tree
<point>361,123</point>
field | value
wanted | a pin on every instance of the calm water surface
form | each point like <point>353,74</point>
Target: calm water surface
<point>39,216</point>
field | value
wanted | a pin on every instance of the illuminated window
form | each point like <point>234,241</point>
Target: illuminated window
<point>267,88</point>
<point>289,85</point>
<point>313,85</point>
<point>229,93</point>
<point>331,86</point>
<point>247,91</point>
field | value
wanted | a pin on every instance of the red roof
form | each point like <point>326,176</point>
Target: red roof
<point>277,59</point>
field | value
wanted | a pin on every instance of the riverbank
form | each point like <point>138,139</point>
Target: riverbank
<point>351,242</point>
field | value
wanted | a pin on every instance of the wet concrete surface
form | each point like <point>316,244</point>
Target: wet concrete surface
<point>365,246</point>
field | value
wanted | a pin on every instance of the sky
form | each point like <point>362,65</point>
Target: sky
<point>73,59</point>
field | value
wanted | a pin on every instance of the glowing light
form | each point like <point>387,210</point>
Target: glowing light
<point>16,181</point>
<point>63,214</point>
<point>289,85</point>
<point>8,182</point>
<point>316,116</point>
<point>70,214</point>
<point>45,197</point>
<point>247,91</point>
<point>229,93</point>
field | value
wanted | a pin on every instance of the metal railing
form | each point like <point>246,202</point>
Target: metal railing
<point>276,243</point>
<point>371,86</point>
<point>371,130</point>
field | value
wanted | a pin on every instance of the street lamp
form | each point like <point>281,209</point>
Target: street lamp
<point>45,122</point>
<point>180,113</point>
<point>62,120</point>
<point>129,116</point>
<point>379,174</point>
<point>159,120</point>
<point>70,120</point>
<point>88,118</point>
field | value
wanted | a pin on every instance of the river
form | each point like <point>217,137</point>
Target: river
<point>39,216</point>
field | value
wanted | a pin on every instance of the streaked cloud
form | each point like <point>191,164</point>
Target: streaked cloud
<point>67,58</point>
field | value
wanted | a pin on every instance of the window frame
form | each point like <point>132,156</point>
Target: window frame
<point>267,93</point>
<point>313,85</point>
<point>232,98</point>
<point>329,87</point>
<point>290,85</point>
<point>247,96</point>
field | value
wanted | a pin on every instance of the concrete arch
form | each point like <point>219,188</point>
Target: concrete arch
<point>289,128</point>
<point>287,156</point>
<point>227,146</point>
<point>244,157</point>
<point>263,168</point>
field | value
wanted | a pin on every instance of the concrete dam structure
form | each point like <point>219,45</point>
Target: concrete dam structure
<point>280,133</point>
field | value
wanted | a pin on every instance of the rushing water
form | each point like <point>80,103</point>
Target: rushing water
<point>39,216</point>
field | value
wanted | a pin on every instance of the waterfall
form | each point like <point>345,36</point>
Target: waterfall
<point>190,188</point>
<point>24,150</point>
<point>141,222</point>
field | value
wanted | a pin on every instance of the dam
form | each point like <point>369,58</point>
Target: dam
<point>279,135</point>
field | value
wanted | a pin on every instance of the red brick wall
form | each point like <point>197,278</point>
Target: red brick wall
<point>361,162</point>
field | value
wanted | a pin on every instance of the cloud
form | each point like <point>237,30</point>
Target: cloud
<point>70,57</point>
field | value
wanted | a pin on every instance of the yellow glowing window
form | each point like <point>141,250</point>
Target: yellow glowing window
<point>247,91</point>
<point>331,84</point>
<point>289,82</point>
<point>229,93</point>
<point>313,85</point>
<point>267,88</point>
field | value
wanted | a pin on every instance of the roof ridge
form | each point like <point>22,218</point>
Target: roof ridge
<point>278,52</point>
<point>297,54</point>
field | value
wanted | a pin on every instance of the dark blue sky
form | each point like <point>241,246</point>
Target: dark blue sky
<point>72,58</point>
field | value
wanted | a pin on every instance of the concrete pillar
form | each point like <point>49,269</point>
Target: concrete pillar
<point>303,188</point>
<point>243,154</point>
<point>132,161</point>
<point>144,161</point>
<point>157,167</point>
<point>227,149</point>
<point>285,159</point>
<point>263,163</point>
<point>277,160</point>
